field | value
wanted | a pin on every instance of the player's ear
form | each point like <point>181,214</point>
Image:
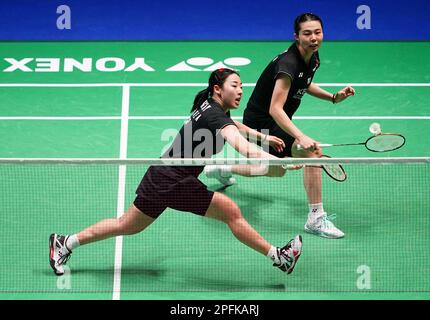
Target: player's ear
<point>296,36</point>
<point>217,89</point>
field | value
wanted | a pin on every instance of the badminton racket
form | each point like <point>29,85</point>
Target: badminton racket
<point>334,171</point>
<point>381,142</point>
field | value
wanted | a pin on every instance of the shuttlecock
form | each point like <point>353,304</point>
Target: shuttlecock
<point>375,128</point>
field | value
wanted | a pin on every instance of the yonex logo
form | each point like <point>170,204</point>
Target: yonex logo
<point>115,64</point>
<point>208,64</point>
<point>107,64</point>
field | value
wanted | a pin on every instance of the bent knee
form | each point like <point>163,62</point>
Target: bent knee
<point>233,213</point>
<point>126,228</point>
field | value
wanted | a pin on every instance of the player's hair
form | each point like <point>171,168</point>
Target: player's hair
<point>217,77</point>
<point>303,18</point>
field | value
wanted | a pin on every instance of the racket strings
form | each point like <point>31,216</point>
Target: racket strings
<point>335,171</point>
<point>385,142</point>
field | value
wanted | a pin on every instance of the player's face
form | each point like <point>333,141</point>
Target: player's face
<point>310,36</point>
<point>231,92</point>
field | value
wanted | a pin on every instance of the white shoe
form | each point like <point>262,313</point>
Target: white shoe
<point>221,174</point>
<point>323,227</point>
<point>59,254</point>
<point>289,254</point>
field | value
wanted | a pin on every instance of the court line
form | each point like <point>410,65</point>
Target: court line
<point>95,118</point>
<point>83,118</point>
<point>121,189</point>
<point>417,84</point>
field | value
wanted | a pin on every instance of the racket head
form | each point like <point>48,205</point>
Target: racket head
<point>334,171</point>
<point>384,142</point>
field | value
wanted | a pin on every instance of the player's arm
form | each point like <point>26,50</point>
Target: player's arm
<point>255,135</point>
<point>318,92</point>
<point>248,132</point>
<point>232,135</point>
<point>279,97</point>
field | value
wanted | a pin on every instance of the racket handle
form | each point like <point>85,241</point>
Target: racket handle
<point>299,146</point>
<point>288,166</point>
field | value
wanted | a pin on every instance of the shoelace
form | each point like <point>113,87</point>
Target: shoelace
<point>284,254</point>
<point>64,258</point>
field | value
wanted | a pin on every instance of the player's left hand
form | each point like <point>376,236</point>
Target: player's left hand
<point>276,143</point>
<point>344,93</point>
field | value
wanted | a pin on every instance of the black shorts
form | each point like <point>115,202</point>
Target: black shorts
<point>259,123</point>
<point>165,187</point>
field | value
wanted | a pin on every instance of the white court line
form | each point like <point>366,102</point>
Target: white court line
<point>116,295</point>
<point>235,118</point>
<point>62,118</point>
<point>200,84</point>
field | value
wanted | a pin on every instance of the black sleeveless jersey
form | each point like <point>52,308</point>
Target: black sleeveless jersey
<point>199,137</point>
<point>288,63</point>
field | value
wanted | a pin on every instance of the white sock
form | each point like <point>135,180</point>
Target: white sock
<point>72,242</point>
<point>273,254</point>
<point>316,210</point>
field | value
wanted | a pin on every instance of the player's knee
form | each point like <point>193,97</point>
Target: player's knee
<point>234,212</point>
<point>127,228</point>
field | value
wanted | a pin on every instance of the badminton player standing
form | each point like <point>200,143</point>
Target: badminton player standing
<point>275,99</point>
<point>178,187</point>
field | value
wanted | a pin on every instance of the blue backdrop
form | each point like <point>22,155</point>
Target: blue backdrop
<point>210,20</point>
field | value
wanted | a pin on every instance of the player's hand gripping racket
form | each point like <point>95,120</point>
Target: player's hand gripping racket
<point>381,142</point>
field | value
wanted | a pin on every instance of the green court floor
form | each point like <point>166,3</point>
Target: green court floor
<point>383,209</point>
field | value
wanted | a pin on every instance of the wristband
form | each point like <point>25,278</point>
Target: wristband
<point>333,98</point>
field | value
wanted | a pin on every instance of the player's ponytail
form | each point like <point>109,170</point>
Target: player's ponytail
<point>217,77</point>
<point>201,97</point>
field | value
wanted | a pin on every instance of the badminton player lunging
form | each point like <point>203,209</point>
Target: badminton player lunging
<point>178,187</point>
<point>275,99</point>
